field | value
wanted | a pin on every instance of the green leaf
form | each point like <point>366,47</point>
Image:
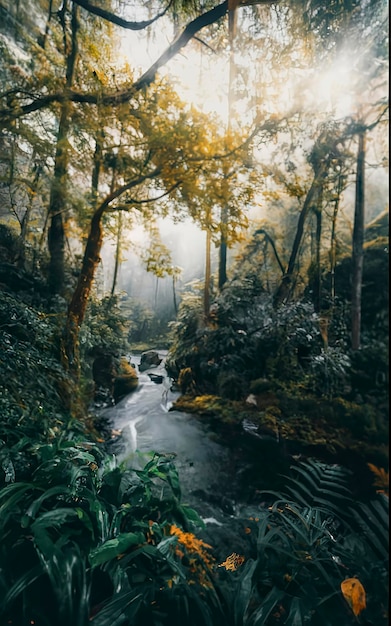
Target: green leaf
<point>36,505</point>
<point>192,515</point>
<point>261,615</point>
<point>295,617</point>
<point>120,610</point>
<point>244,592</point>
<point>114,547</point>
<point>20,586</point>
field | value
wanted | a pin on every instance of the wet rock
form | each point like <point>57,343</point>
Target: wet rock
<point>156,378</point>
<point>149,359</point>
<point>125,381</point>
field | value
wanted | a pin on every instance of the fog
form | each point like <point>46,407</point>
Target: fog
<point>186,243</point>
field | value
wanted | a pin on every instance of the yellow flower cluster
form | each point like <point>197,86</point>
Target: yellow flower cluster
<point>192,545</point>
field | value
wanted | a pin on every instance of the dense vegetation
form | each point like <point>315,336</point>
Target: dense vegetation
<point>288,340</point>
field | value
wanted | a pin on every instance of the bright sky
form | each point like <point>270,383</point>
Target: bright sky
<point>201,77</point>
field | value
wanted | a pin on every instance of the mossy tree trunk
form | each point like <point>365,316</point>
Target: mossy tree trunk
<point>58,191</point>
<point>78,304</point>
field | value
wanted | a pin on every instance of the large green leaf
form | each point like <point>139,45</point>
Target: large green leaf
<point>244,592</point>
<point>261,615</point>
<point>21,585</point>
<point>114,547</point>
<point>121,609</point>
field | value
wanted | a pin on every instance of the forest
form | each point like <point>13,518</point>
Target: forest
<point>194,313</point>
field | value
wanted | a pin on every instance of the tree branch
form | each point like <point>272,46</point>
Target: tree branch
<point>119,21</point>
<point>133,201</point>
<point>123,188</point>
<point>119,97</point>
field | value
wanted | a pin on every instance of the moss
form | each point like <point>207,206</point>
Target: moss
<point>260,385</point>
<point>312,425</point>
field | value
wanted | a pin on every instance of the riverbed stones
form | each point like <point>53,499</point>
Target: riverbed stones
<point>149,359</point>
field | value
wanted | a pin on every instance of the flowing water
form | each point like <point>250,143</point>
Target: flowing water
<point>207,469</point>
<point>218,475</point>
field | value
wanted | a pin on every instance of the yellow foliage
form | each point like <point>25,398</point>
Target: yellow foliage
<point>354,594</point>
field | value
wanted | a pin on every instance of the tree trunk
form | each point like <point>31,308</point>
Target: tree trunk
<point>223,247</point>
<point>283,291</point>
<point>78,304</point>
<point>57,205</point>
<point>24,226</point>
<point>224,210</point>
<point>333,243</point>
<point>58,200</point>
<point>358,243</point>
<point>117,254</point>
<point>207,275</point>
<point>317,267</point>
<point>174,294</point>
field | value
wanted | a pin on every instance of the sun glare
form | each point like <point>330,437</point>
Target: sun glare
<point>199,78</point>
<point>333,89</point>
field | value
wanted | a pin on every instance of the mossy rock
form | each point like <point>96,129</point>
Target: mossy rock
<point>126,380</point>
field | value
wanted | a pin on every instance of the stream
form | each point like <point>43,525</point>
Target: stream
<point>216,473</point>
<point>221,476</point>
<point>207,469</point>
<point>222,473</point>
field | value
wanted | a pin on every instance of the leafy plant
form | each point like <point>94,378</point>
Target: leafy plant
<point>86,540</point>
<point>311,550</point>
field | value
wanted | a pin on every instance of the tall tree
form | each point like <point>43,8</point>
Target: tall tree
<point>58,191</point>
<point>358,241</point>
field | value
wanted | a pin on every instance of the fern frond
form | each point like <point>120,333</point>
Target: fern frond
<point>381,478</point>
<point>372,520</point>
<point>316,484</point>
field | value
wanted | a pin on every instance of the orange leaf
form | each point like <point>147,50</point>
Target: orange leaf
<point>354,594</point>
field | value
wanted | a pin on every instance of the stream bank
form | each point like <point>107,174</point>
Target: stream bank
<point>223,465</point>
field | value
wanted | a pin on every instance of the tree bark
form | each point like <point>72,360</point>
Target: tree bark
<point>358,243</point>
<point>223,247</point>
<point>117,254</point>
<point>283,292</point>
<point>58,192</point>
<point>78,304</point>
<point>333,243</point>
<point>207,275</point>
<point>317,267</point>
<point>57,206</point>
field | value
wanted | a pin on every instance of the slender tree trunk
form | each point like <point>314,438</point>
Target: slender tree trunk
<point>24,226</point>
<point>224,211</point>
<point>223,247</point>
<point>269,240</point>
<point>358,243</point>
<point>174,294</point>
<point>333,243</point>
<point>283,291</point>
<point>117,254</point>
<point>44,37</point>
<point>207,275</point>
<point>317,266</point>
<point>156,291</point>
<point>57,205</point>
